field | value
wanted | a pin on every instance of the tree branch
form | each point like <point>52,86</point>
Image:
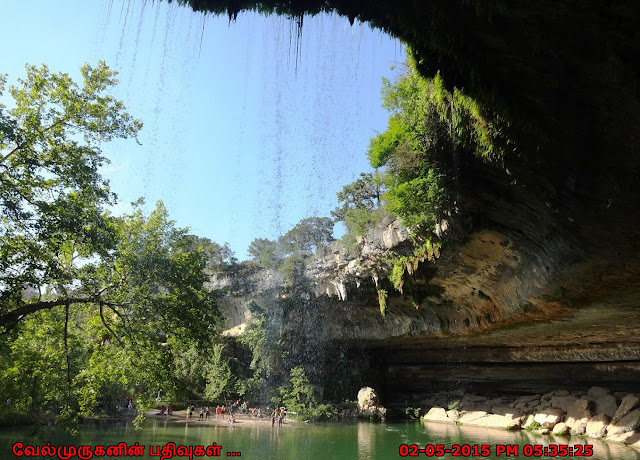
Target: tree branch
<point>11,318</point>
<point>108,327</point>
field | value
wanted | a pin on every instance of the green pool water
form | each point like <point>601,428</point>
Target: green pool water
<point>362,440</point>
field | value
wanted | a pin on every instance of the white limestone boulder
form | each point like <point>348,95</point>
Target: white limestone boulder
<point>597,425</point>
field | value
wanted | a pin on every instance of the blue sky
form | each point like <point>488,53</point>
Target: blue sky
<point>243,135</point>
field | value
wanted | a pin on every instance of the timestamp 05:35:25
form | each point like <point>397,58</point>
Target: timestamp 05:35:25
<point>507,450</point>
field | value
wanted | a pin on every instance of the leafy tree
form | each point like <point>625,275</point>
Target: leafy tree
<point>133,317</point>
<point>267,354</point>
<point>265,252</point>
<point>262,338</point>
<point>218,257</point>
<point>51,194</point>
<point>92,307</point>
<point>298,395</point>
<point>307,236</point>
<point>360,208</point>
<point>363,193</point>
<point>153,278</point>
<point>218,375</point>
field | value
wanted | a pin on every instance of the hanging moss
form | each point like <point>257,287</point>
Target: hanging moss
<point>382,300</point>
<point>397,274</point>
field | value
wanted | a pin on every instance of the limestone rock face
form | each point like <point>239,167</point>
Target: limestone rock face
<point>493,276</point>
<point>367,398</point>
<point>597,425</point>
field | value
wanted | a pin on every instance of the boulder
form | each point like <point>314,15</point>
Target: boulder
<point>607,405</point>
<point>466,417</point>
<point>542,406</point>
<point>629,438</point>
<point>507,411</point>
<point>437,414</point>
<point>528,421</point>
<point>597,425</point>
<point>597,392</point>
<point>453,415</point>
<point>526,399</point>
<point>563,402</point>
<point>367,397</point>
<point>548,418</point>
<point>629,422</point>
<point>628,403</point>
<point>578,414</point>
<point>496,421</point>
<point>561,429</point>
<point>374,411</point>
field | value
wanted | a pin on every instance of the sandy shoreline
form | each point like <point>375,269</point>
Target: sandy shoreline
<point>180,417</point>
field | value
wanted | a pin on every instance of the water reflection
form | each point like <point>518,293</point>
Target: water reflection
<point>312,441</point>
<point>366,440</point>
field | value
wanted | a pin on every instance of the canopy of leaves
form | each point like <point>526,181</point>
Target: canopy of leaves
<point>92,307</point>
<point>267,253</point>
<point>298,395</point>
<point>307,236</point>
<point>363,193</point>
<point>51,194</point>
<point>219,257</point>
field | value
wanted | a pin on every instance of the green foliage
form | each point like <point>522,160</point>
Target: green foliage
<point>218,375</point>
<point>409,263</point>
<point>361,195</point>
<point>324,412</point>
<point>382,300</point>
<point>454,404</point>
<point>266,252</point>
<point>360,221</point>
<point>51,194</point>
<point>292,249</point>
<point>428,127</point>
<point>267,355</point>
<point>298,395</point>
<point>396,275</point>
<point>384,145</point>
<point>417,201</point>
<point>533,426</point>
<point>219,258</point>
<point>307,236</point>
<point>413,412</point>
